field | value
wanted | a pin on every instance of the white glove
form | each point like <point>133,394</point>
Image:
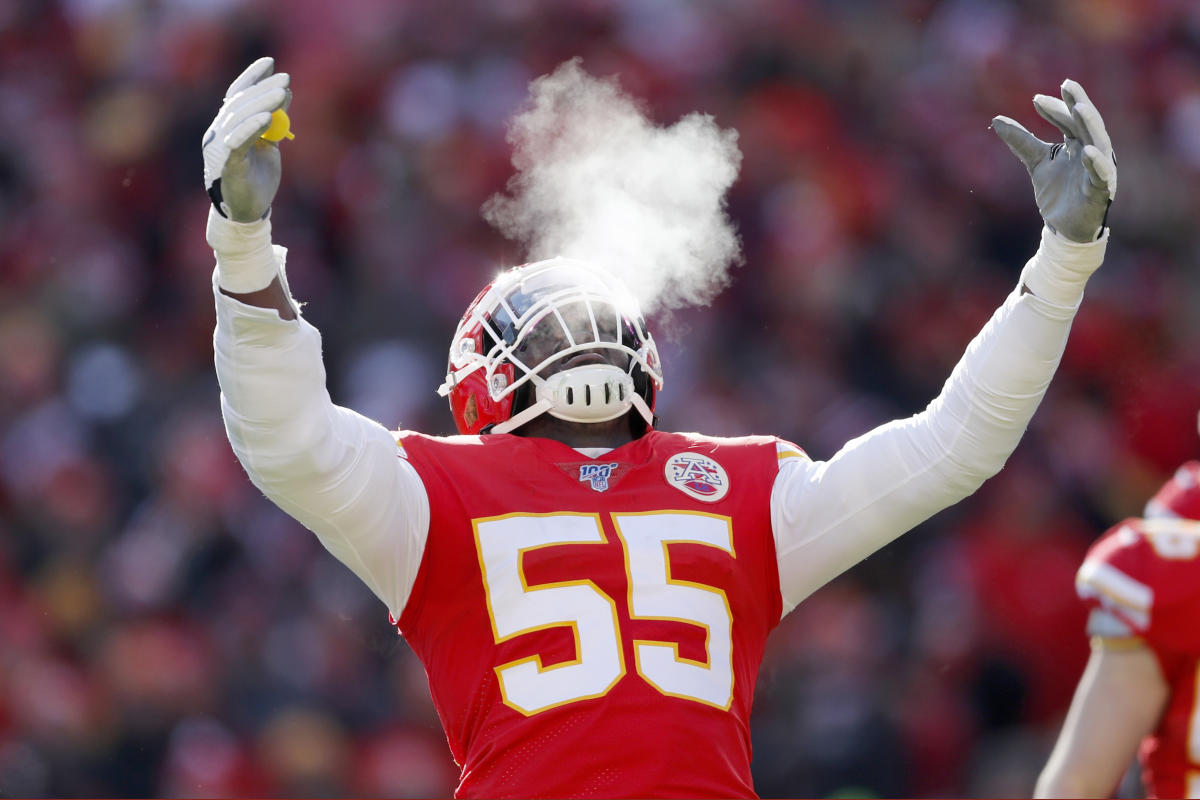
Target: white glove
<point>1075,181</point>
<point>241,170</point>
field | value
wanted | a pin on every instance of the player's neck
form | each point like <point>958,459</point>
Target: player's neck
<point>611,434</point>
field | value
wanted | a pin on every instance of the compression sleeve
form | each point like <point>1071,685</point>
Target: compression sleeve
<point>829,515</point>
<point>338,473</point>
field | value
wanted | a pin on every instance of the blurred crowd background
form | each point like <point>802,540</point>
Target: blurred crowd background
<point>166,631</point>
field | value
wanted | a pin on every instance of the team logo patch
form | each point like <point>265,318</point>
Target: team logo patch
<point>598,475</point>
<point>697,476</point>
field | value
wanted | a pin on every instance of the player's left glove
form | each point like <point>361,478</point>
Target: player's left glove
<point>1074,181</point>
<point>241,170</point>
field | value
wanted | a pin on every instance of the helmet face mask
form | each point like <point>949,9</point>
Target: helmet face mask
<point>561,337</point>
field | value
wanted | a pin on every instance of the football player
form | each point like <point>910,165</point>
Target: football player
<point>590,595</point>
<point>1140,692</point>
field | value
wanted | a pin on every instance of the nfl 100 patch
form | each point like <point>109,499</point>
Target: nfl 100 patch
<point>698,476</point>
<point>599,476</point>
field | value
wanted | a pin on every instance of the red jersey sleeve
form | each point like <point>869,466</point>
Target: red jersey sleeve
<point>1146,573</point>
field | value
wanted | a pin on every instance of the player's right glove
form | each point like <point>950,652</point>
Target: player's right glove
<point>241,170</point>
<point>1074,181</point>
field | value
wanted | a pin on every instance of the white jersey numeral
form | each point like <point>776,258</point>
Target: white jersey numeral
<point>1179,539</point>
<point>517,608</point>
<point>1172,538</point>
<point>654,594</point>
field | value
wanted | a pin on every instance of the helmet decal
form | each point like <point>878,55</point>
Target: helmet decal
<point>471,412</point>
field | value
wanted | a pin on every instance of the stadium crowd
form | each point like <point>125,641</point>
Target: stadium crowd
<point>164,630</point>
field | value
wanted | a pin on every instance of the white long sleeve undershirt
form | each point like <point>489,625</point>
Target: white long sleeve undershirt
<point>338,473</point>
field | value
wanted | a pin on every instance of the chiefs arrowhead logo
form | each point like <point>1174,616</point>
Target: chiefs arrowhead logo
<point>697,476</point>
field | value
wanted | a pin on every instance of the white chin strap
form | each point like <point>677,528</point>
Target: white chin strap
<point>589,393</point>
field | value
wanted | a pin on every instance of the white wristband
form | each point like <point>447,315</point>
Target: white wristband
<point>245,259</point>
<point>1060,268</point>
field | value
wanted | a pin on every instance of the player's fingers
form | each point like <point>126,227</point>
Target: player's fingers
<point>287,100</point>
<point>1094,127</point>
<point>1080,129</point>
<point>1023,144</point>
<point>274,86</point>
<point>1101,170</point>
<point>1093,169</point>
<point>247,133</point>
<point>251,75</point>
<point>1055,112</point>
<point>1073,93</point>
<point>262,102</point>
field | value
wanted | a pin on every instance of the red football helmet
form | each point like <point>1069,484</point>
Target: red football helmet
<point>500,372</point>
<point>1180,496</point>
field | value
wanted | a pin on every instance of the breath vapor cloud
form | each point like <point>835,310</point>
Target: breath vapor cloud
<point>598,181</point>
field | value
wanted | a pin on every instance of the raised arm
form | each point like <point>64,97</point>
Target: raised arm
<point>827,516</point>
<point>338,473</point>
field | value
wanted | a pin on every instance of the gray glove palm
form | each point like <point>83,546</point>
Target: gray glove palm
<point>1074,181</point>
<point>241,170</point>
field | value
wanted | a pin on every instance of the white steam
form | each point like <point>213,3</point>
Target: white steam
<point>597,181</point>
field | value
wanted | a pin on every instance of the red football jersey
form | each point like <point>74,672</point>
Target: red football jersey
<point>1146,573</point>
<point>594,627</point>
